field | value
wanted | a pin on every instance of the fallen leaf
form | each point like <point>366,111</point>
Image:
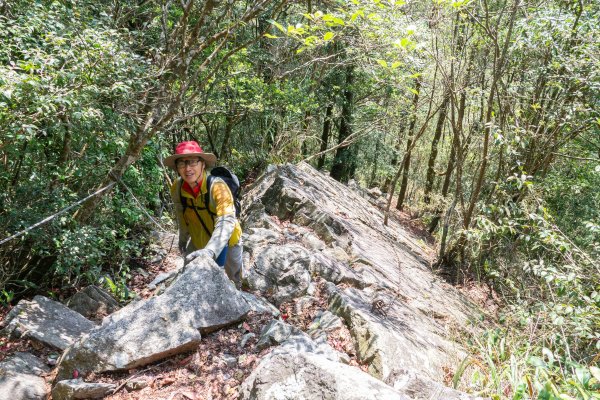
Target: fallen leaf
<point>186,360</point>
<point>167,381</point>
<point>188,395</point>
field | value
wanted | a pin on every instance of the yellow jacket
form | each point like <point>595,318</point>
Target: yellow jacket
<point>220,204</point>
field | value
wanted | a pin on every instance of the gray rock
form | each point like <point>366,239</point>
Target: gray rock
<point>334,271</point>
<point>312,242</point>
<point>46,321</point>
<point>304,376</point>
<point>372,258</point>
<point>260,305</point>
<point>375,192</point>
<point>229,360</point>
<point>292,340</point>
<point>400,339</point>
<point>245,339</point>
<point>92,302</point>
<point>254,215</point>
<point>20,377</point>
<point>326,322</point>
<point>274,333</point>
<point>201,300</point>
<point>136,384</point>
<point>24,363</point>
<point>419,388</point>
<point>162,277</point>
<point>17,386</point>
<point>302,343</point>
<point>282,271</point>
<point>78,389</point>
<point>258,238</point>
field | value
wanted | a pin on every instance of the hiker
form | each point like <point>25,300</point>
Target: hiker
<point>205,230</point>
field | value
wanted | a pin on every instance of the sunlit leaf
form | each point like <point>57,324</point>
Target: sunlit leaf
<point>278,26</point>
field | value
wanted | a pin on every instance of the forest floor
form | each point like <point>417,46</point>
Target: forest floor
<point>216,369</point>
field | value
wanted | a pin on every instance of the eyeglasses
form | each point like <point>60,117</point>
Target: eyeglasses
<point>180,164</point>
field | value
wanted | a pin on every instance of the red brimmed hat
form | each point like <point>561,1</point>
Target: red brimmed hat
<point>190,149</point>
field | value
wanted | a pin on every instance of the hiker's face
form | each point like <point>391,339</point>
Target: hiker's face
<point>190,169</point>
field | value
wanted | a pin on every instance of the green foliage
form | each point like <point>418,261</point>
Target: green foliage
<point>510,365</point>
<point>67,78</point>
<point>550,329</point>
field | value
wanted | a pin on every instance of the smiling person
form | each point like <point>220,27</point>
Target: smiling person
<point>208,226</point>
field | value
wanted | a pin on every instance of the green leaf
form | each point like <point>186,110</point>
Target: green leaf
<point>396,64</point>
<point>564,396</point>
<point>383,63</point>
<point>595,371</point>
<point>268,35</point>
<point>460,370</point>
<point>546,352</point>
<point>536,362</point>
<point>278,25</point>
<point>328,36</point>
<point>359,13</point>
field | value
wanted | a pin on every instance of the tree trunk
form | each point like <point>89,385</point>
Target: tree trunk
<point>304,134</point>
<point>230,121</point>
<point>343,162</point>
<point>499,60</point>
<point>325,134</point>
<point>434,149</point>
<point>457,128</point>
<point>373,177</point>
<point>409,146</point>
<point>17,172</point>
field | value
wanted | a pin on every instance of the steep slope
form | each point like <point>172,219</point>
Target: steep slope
<point>303,225</point>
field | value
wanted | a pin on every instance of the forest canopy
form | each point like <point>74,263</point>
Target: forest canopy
<point>479,119</point>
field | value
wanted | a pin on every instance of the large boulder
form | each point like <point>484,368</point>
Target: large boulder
<point>418,387</point>
<point>78,389</point>
<point>20,378</point>
<point>290,339</point>
<point>308,376</point>
<point>401,316</point>
<point>281,272</point>
<point>46,321</point>
<point>202,299</point>
<point>93,302</point>
<point>394,338</point>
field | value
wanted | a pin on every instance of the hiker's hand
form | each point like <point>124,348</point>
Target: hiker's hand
<point>204,253</point>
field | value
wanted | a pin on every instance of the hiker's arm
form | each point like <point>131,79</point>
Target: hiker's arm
<point>224,220</point>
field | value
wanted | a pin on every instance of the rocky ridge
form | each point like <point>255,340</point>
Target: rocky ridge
<point>321,266</point>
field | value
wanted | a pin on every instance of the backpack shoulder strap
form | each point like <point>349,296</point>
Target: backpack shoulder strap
<point>182,201</point>
<point>209,181</point>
